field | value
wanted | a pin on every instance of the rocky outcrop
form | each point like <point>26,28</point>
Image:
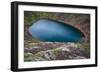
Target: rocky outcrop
<point>80,21</point>
<point>42,51</point>
<point>45,51</point>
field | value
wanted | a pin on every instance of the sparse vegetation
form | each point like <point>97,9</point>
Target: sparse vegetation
<point>54,50</point>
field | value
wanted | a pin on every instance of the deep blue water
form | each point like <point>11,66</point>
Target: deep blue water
<point>54,31</point>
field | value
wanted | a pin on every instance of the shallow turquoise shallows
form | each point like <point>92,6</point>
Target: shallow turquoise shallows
<point>54,31</point>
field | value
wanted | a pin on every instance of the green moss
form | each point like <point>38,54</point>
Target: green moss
<point>56,51</point>
<point>28,57</point>
<point>38,56</point>
<point>85,45</point>
<point>31,17</point>
<point>30,45</point>
<point>78,45</point>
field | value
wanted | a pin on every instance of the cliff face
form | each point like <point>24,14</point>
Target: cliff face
<point>35,50</point>
<point>80,21</point>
